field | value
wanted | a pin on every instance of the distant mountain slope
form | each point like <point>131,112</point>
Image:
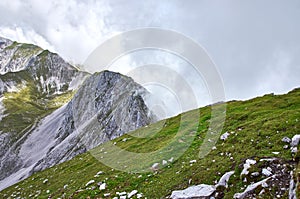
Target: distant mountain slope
<point>33,83</point>
<point>22,64</point>
<point>47,115</point>
<point>257,133</point>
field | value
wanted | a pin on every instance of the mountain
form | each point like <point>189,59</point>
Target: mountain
<point>255,157</point>
<point>51,111</point>
<point>30,65</point>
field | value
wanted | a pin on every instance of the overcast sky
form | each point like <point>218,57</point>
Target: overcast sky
<point>254,43</point>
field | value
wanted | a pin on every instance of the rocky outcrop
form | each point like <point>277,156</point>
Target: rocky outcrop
<point>204,191</point>
<point>106,106</point>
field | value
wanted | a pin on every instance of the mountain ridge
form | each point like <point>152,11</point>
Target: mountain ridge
<point>54,100</point>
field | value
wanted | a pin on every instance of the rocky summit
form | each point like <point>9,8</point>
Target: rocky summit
<point>51,111</point>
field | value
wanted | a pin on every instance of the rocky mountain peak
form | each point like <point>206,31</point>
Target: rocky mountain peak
<point>105,106</point>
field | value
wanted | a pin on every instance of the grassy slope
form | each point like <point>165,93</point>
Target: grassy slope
<point>259,125</point>
<point>26,107</point>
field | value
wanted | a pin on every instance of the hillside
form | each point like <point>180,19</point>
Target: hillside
<point>259,133</point>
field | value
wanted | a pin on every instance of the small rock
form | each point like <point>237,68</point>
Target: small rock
<point>132,193</point>
<point>199,191</point>
<point>102,186</point>
<point>295,140</point>
<point>171,159</point>
<point>286,140</point>
<point>121,193</point>
<point>255,174</point>
<point>275,152</point>
<point>45,181</point>
<point>155,166</point>
<point>164,162</point>
<point>225,136</point>
<point>139,195</point>
<point>294,150</point>
<point>193,161</point>
<point>89,183</point>
<point>224,179</point>
<point>247,165</point>
<point>266,172</point>
<point>100,172</point>
<point>106,194</point>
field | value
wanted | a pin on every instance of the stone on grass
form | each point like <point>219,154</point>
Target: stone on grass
<point>164,162</point>
<point>89,183</point>
<point>247,165</point>
<point>295,140</point>
<point>198,191</point>
<point>102,186</point>
<point>251,188</point>
<point>294,150</point>
<point>224,179</point>
<point>225,136</point>
<point>286,140</point>
<point>155,166</point>
<point>132,193</point>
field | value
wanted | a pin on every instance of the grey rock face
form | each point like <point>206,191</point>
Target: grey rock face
<point>106,106</point>
<point>45,73</point>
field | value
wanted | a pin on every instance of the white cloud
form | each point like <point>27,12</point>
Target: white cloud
<point>241,37</point>
<point>28,36</point>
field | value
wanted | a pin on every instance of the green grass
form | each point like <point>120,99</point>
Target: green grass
<point>258,124</point>
<point>25,108</point>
